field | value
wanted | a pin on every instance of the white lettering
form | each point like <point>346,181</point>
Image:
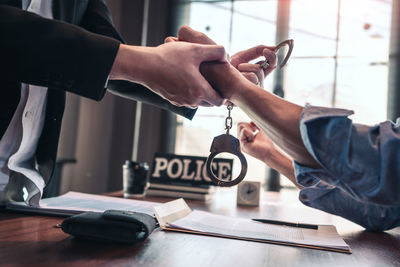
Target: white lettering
<point>223,169</point>
<point>213,167</point>
<point>185,175</point>
<point>199,165</point>
<point>161,164</point>
<point>171,166</point>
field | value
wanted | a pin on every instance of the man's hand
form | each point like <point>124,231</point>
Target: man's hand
<point>224,78</point>
<point>171,70</point>
<point>253,72</point>
<point>254,142</point>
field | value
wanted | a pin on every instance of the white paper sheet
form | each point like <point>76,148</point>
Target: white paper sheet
<point>326,237</point>
<point>74,203</point>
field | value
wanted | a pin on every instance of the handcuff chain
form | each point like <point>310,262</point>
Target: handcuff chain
<point>228,120</point>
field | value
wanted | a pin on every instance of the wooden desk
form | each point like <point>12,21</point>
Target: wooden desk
<point>34,240</point>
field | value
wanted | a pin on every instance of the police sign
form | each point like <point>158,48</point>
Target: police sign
<point>179,169</point>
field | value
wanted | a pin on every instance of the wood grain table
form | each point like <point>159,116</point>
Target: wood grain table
<point>34,240</point>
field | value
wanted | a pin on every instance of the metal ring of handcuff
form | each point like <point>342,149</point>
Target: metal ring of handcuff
<point>222,144</point>
<point>226,143</point>
<point>290,43</point>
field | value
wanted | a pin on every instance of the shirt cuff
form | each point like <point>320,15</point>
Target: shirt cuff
<point>313,113</point>
<point>106,83</point>
<point>307,176</point>
<point>310,179</point>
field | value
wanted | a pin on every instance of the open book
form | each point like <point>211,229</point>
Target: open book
<point>177,216</point>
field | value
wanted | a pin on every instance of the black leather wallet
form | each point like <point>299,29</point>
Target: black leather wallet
<point>112,225</point>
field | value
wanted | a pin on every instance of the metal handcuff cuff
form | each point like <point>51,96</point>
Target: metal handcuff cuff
<point>230,144</point>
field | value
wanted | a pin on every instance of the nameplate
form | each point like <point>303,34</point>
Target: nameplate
<point>189,170</point>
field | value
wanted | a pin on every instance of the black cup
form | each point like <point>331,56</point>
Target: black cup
<point>134,178</point>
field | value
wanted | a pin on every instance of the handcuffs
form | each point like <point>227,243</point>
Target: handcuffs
<point>230,144</point>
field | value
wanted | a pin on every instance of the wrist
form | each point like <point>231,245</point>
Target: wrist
<point>240,89</point>
<point>271,156</point>
<point>118,68</point>
<point>132,63</point>
<point>236,87</point>
<point>281,163</point>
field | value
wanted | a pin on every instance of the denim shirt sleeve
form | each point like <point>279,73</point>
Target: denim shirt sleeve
<point>361,161</point>
<point>323,196</point>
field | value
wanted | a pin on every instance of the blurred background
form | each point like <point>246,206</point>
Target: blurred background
<point>345,55</point>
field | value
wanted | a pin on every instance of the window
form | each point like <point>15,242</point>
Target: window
<point>339,59</point>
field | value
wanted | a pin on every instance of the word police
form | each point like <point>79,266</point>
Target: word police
<point>188,169</point>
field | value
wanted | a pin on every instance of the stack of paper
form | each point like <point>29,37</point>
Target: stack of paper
<point>177,216</point>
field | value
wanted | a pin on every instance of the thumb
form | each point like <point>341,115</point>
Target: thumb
<point>170,39</point>
<point>211,53</point>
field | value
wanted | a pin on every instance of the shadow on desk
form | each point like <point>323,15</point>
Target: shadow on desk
<point>373,244</point>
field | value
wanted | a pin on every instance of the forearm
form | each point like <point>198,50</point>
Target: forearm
<point>282,164</point>
<point>276,117</point>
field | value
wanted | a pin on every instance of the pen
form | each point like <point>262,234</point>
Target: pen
<point>301,225</point>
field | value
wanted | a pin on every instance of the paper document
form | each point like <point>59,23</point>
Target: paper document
<point>177,216</point>
<point>73,203</point>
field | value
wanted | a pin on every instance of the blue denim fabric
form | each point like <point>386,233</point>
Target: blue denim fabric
<point>359,178</point>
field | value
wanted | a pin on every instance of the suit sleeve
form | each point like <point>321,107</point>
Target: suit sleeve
<point>97,19</point>
<point>54,54</point>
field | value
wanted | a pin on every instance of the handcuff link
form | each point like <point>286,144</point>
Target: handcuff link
<point>228,144</point>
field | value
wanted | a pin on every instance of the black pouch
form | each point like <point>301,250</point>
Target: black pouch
<point>112,225</point>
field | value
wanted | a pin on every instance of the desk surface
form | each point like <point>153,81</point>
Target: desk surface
<point>26,239</point>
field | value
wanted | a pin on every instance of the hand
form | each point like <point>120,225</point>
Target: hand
<point>257,144</point>
<point>254,142</point>
<point>187,34</point>
<point>171,70</point>
<point>224,78</point>
<point>254,72</point>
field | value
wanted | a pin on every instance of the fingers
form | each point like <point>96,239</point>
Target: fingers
<point>242,125</point>
<point>204,104</point>
<point>210,53</point>
<point>209,96</point>
<point>257,76</point>
<point>227,103</point>
<point>187,34</point>
<point>252,77</point>
<point>246,135</point>
<point>254,127</point>
<point>241,59</point>
<point>247,67</point>
<point>246,55</point>
<point>170,39</point>
<point>270,56</point>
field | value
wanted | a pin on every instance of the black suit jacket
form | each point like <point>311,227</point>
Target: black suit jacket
<point>74,53</point>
